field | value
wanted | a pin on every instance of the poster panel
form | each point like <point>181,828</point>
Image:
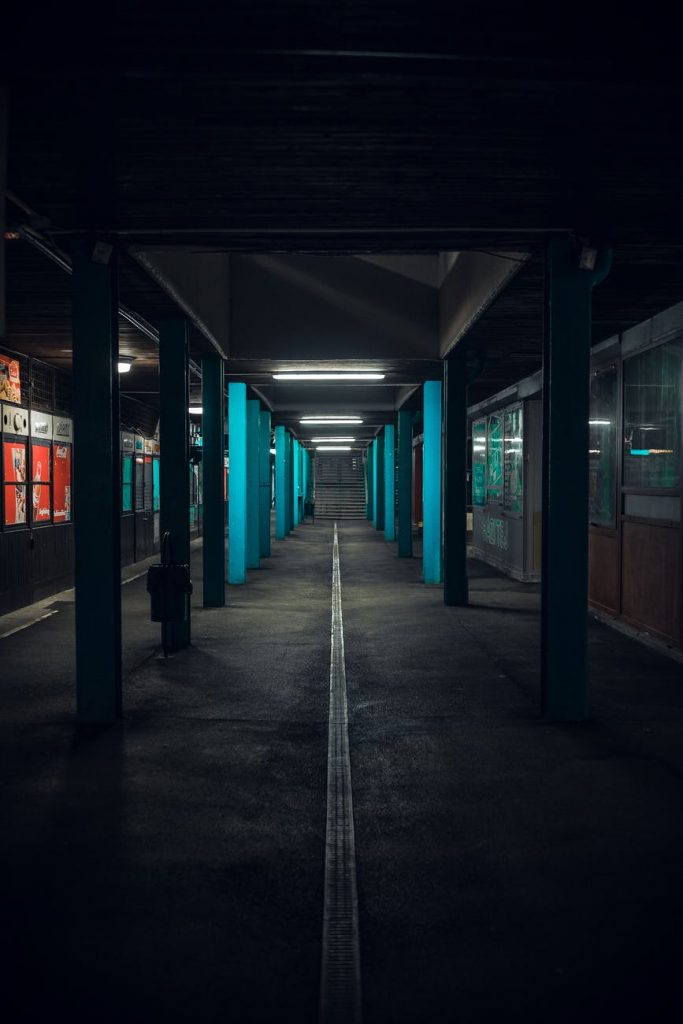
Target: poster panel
<point>40,489</point>
<point>61,471</point>
<point>127,483</point>
<point>14,461</point>
<point>10,380</point>
<point>513,460</point>
<point>494,459</point>
<point>479,462</point>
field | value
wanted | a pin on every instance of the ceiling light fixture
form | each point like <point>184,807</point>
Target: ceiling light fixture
<point>331,440</point>
<point>330,420</point>
<point>195,410</point>
<point>333,447</point>
<point>125,363</point>
<point>314,375</point>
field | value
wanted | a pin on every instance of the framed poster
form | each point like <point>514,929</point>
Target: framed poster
<point>513,460</point>
<point>61,482</point>
<point>494,459</point>
<point>41,505</point>
<point>149,483</point>
<point>10,380</point>
<point>479,462</point>
<point>14,475</point>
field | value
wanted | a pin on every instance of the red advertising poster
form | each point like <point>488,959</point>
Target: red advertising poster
<point>62,482</point>
<point>14,467</point>
<point>10,382</point>
<point>40,462</point>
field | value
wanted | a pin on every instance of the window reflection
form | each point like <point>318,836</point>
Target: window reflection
<point>602,447</point>
<point>652,418</point>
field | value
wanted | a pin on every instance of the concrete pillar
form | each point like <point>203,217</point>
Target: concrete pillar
<point>237,483</point>
<point>405,484</point>
<point>431,483</point>
<point>213,431</point>
<point>280,483</point>
<point>264,484</point>
<point>289,448</point>
<point>389,482</point>
<point>566,374</point>
<point>455,590</point>
<point>97,498</point>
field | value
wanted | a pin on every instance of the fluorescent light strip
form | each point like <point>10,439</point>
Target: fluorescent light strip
<point>329,376</point>
<point>331,440</point>
<point>333,447</point>
<point>330,420</point>
<point>195,410</point>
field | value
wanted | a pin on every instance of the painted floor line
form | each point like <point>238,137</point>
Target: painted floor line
<point>27,625</point>
<point>340,982</point>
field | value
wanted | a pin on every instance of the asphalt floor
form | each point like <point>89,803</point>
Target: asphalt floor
<point>170,868</point>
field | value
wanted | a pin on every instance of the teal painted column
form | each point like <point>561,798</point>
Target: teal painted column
<point>389,482</point>
<point>174,462</point>
<point>378,489</point>
<point>369,483</point>
<point>264,484</point>
<point>405,484</point>
<point>253,485</point>
<point>280,483</point>
<point>213,433</point>
<point>431,483</point>
<point>455,588</point>
<point>566,375</point>
<point>97,500</point>
<point>296,466</point>
<point>290,484</point>
<point>237,483</point>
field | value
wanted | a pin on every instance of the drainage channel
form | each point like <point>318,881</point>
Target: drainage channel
<point>340,982</point>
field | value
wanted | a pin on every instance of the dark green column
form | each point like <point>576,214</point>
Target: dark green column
<point>378,488</point>
<point>455,481</point>
<point>97,497</point>
<point>405,484</point>
<point>566,370</point>
<point>369,482</point>
<point>174,467</point>
<point>253,486</point>
<point>264,484</point>
<point>213,429</point>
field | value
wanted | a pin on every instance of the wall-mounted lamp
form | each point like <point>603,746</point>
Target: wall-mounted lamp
<point>125,363</point>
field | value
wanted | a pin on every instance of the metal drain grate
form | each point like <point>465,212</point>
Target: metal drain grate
<point>340,986</point>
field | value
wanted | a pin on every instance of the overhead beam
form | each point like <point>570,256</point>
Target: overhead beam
<point>471,285</point>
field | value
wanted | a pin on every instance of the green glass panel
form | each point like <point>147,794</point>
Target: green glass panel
<point>513,460</point>
<point>479,462</point>
<point>494,473</point>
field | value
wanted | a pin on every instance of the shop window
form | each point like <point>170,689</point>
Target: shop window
<point>14,466</point>
<point>602,447</point>
<point>479,462</point>
<point>652,418</point>
<point>513,460</point>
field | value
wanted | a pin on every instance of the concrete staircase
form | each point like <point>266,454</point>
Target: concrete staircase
<point>339,486</point>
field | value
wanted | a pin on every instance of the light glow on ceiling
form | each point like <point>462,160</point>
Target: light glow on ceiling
<point>331,440</point>
<point>195,410</point>
<point>333,447</point>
